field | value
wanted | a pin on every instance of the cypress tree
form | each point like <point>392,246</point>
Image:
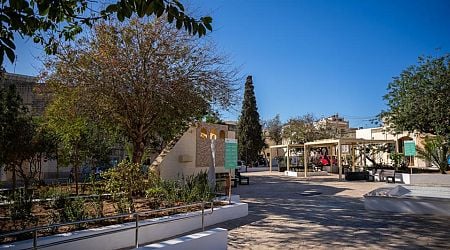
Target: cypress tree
<point>249,127</point>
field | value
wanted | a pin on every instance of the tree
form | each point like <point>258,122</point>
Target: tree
<point>148,78</point>
<point>12,119</point>
<point>48,22</point>
<point>250,139</point>
<point>302,129</point>
<point>435,150</point>
<point>23,142</point>
<point>418,100</point>
<point>80,139</point>
<point>274,129</point>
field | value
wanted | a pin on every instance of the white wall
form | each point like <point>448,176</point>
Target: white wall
<point>212,239</point>
<point>171,167</point>
<point>152,230</point>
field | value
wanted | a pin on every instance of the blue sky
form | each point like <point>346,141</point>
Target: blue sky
<point>320,57</point>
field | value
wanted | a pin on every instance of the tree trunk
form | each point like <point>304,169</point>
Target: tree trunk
<point>14,178</point>
<point>76,178</point>
<point>138,150</point>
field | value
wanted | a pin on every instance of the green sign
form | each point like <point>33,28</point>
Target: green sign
<point>410,148</point>
<point>231,153</point>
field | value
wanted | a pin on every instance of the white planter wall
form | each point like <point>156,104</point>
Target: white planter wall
<point>150,232</point>
<point>426,179</point>
<point>216,238</point>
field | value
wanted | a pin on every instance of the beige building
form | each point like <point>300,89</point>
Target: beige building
<point>337,125</point>
<point>382,133</point>
<point>25,86</point>
<point>193,152</point>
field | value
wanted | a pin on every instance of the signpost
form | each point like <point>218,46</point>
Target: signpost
<point>231,157</point>
<point>410,150</point>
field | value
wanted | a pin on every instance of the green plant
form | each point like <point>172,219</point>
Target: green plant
<point>21,207</point>
<point>73,210</point>
<point>397,159</point>
<point>125,180</point>
<point>193,188</point>
<point>435,150</point>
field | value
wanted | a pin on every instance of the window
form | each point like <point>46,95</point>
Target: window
<point>203,133</point>
<point>213,134</point>
<point>222,134</point>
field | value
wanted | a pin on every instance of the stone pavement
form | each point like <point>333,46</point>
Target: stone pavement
<point>281,217</point>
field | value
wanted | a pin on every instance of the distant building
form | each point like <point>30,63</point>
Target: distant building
<point>25,86</point>
<point>337,126</point>
<point>382,133</point>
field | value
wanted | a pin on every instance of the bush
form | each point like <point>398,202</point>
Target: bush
<point>20,208</point>
<point>193,188</point>
<point>123,182</point>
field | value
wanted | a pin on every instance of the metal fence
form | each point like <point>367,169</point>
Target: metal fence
<point>136,216</point>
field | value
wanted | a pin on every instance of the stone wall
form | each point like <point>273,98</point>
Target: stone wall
<point>205,132</point>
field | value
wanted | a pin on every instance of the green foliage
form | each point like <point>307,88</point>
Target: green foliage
<point>274,129</point>
<point>49,22</point>
<point>73,210</point>
<point>123,182</point>
<point>126,177</point>
<point>436,149</point>
<point>180,77</point>
<point>21,207</point>
<point>80,138</point>
<point>193,188</point>
<point>23,141</point>
<point>249,127</point>
<point>419,98</point>
<point>397,159</point>
<point>302,129</point>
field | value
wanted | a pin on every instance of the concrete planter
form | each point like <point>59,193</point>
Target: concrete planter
<point>426,179</point>
<point>410,199</point>
<point>302,174</point>
<point>216,238</point>
<point>150,230</point>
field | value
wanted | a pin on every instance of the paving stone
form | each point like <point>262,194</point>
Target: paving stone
<point>281,218</point>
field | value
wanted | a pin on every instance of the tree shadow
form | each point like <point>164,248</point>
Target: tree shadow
<point>281,217</point>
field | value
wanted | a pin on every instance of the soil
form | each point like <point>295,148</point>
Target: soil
<point>43,214</point>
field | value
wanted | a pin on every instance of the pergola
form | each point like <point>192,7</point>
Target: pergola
<point>288,147</point>
<point>329,143</point>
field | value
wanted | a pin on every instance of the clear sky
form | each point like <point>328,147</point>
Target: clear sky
<point>320,57</point>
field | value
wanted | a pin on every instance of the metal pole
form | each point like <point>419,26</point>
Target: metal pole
<point>35,239</point>
<point>203,216</point>
<point>136,239</point>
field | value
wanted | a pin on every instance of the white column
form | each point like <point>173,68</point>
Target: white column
<point>270,160</point>
<point>339,159</point>
<point>305,159</point>
<point>288,156</point>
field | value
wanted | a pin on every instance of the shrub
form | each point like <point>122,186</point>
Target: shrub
<point>20,208</point>
<point>125,180</point>
<point>193,188</point>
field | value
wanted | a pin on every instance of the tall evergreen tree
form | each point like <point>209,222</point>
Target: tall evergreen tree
<point>249,127</point>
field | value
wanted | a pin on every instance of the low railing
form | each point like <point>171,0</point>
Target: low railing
<point>136,215</point>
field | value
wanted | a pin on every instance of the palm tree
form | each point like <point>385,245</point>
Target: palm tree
<point>435,150</point>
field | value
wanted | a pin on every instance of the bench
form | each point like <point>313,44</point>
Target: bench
<point>389,175</point>
<point>243,180</point>
<point>223,177</point>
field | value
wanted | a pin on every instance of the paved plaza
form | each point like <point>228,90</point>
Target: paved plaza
<point>281,216</point>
